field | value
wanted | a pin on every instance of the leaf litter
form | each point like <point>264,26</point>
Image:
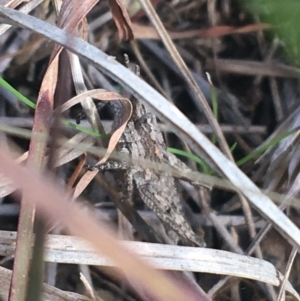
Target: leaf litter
<point>223,39</point>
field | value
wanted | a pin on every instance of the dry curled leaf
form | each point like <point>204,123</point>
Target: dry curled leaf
<point>121,19</point>
<point>116,135</point>
<point>72,12</point>
<point>104,95</point>
<point>63,157</point>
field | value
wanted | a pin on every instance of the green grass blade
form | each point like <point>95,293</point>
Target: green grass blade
<point>32,105</point>
<point>263,148</point>
<point>16,93</point>
<point>83,129</point>
<point>191,156</point>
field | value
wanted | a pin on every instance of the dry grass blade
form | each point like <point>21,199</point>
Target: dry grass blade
<point>187,76</point>
<point>72,250</point>
<point>87,103</point>
<point>67,152</point>
<point>88,287</point>
<point>147,32</point>
<point>253,68</point>
<point>70,13</point>
<point>81,223</point>
<point>204,128</point>
<point>26,8</point>
<point>76,172</point>
<point>11,3</point>
<point>6,187</point>
<point>287,274</point>
<point>36,156</point>
<point>49,293</point>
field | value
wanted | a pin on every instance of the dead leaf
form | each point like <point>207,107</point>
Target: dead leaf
<point>70,14</point>
<point>104,95</point>
<point>121,19</point>
<point>116,135</point>
<point>76,172</point>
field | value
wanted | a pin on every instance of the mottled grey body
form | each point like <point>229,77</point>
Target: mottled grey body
<point>143,139</point>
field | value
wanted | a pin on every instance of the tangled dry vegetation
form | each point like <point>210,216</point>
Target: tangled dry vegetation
<point>232,78</point>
